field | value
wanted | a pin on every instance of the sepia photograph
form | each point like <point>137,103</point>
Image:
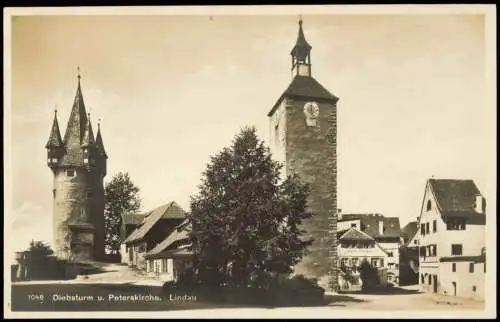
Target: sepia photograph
<point>330,161</point>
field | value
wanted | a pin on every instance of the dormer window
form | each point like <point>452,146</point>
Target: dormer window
<point>70,173</point>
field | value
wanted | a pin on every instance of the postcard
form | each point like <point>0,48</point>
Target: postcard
<point>330,161</point>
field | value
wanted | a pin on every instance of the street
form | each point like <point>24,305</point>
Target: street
<point>120,288</point>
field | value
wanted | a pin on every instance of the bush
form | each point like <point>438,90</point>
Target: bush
<point>300,290</point>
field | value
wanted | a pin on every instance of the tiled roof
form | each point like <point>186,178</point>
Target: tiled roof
<point>355,234</point>
<point>98,141</point>
<point>75,131</point>
<point>305,87</point>
<point>174,253</point>
<point>88,135</point>
<point>409,230</point>
<point>180,233</point>
<point>455,196</point>
<point>133,219</point>
<point>370,224</point>
<point>55,139</point>
<point>169,211</point>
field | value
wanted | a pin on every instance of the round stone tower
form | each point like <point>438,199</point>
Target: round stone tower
<point>79,165</point>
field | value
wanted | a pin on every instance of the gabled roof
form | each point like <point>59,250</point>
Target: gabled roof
<point>355,234</point>
<point>370,224</point>
<point>180,233</point>
<point>169,211</point>
<point>305,87</point>
<point>455,196</point>
<point>133,219</point>
<point>409,230</point>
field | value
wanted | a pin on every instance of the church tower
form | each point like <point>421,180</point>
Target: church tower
<point>303,135</point>
<point>78,163</point>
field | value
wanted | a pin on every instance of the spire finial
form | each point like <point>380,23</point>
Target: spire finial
<point>99,120</point>
<point>78,73</point>
<point>55,109</point>
<point>300,20</point>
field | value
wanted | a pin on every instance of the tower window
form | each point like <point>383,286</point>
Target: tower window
<point>434,226</point>
<point>54,192</point>
<point>70,173</point>
<point>429,205</point>
<point>454,267</point>
<point>471,267</point>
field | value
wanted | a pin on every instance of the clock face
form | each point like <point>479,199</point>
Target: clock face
<point>311,109</point>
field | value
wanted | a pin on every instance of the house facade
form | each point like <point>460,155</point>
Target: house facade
<point>157,224</point>
<point>451,239</point>
<point>355,247</point>
<point>172,256</point>
<point>386,231</point>
<point>130,223</point>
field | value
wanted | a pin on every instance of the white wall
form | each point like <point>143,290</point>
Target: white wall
<point>464,279</point>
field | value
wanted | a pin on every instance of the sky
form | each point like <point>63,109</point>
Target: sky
<point>173,90</point>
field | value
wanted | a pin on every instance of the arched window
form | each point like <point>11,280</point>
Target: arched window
<point>429,205</point>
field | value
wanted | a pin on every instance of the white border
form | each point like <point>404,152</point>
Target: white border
<point>326,312</point>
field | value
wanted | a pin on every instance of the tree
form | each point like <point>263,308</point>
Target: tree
<point>39,249</point>
<point>368,274</point>
<point>244,222</point>
<point>121,198</point>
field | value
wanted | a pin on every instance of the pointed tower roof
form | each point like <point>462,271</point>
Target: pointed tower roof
<point>75,130</point>
<point>77,119</point>
<point>88,135</point>
<point>302,47</point>
<point>55,135</point>
<point>98,141</point>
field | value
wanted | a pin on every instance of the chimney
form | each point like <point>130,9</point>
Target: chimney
<point>479,204</point>
<point>381,227</point>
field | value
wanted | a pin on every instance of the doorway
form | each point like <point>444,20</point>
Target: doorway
<point>435,283</point>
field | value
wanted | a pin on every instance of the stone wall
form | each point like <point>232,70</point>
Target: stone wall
<point>78,199</point>
<point>311,153</point>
